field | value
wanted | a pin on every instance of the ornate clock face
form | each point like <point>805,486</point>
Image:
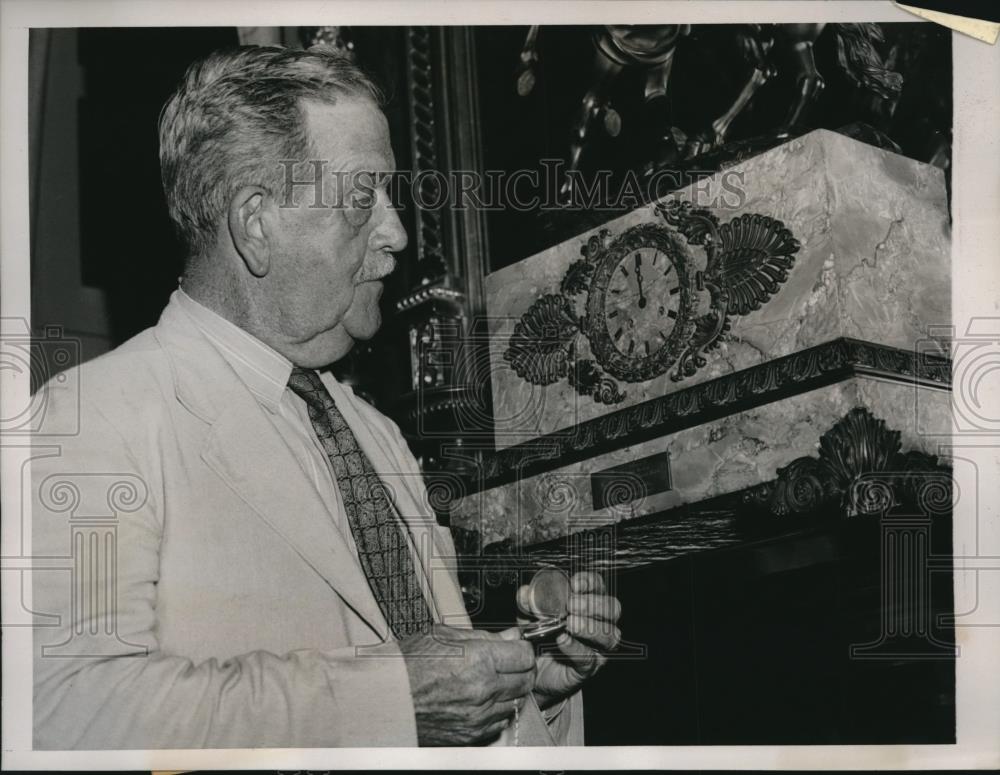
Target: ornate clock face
<point>639,303</point>
<point>642,303</point>
<point>641,291</point>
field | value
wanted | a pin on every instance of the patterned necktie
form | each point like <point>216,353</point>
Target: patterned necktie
<point>379,535</point>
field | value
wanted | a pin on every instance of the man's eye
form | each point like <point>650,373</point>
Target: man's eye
<point>362,199</point>
<point>359,209</point>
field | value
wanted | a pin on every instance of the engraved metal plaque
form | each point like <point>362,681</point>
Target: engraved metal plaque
<point>628,482</point>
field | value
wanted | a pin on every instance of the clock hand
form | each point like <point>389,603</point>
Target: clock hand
<point>638,277</point>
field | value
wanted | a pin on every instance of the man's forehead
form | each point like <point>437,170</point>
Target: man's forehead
<point>350,132</point>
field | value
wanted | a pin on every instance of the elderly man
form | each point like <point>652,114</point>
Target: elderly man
<point>272,575</point>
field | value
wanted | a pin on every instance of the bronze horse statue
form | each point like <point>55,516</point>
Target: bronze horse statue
<point>763,46</point>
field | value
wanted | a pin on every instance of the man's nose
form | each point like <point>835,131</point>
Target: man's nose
<point>393,233</point>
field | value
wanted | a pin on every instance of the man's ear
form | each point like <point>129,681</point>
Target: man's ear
<point>247,229</point>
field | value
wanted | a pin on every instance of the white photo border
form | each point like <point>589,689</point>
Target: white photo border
<point>975,288</point>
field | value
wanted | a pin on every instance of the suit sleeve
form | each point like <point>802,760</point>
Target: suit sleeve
<point>100,678</point>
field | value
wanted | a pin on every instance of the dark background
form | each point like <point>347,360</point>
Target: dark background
<point>750,644</point>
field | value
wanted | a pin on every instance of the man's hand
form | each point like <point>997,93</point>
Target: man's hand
<point>591,632</point>
<point>465,683</point>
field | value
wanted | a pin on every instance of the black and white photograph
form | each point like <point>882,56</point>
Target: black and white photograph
<point>499,385</point>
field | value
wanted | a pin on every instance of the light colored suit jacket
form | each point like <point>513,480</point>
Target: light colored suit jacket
<point>199,594</point>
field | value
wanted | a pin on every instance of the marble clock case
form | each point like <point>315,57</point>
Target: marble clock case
<point>852,309</point>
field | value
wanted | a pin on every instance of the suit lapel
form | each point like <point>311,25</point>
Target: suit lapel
<point>248,454</point>
<point>246,451</point>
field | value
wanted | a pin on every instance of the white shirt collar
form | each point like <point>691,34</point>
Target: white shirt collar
<point>262,369</point>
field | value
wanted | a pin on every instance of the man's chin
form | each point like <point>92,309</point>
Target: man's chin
<point>323,350</point>
<point>364,331</point>
<point>364,324</point>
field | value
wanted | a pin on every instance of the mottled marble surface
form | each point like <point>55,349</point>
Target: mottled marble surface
<point>712,459</point>
<point>874,264</point>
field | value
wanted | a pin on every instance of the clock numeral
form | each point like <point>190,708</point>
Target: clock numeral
<point>631,346</point>
<point>618,334</point>
<point>646,345</point>
<point>613,314</point>
<point>624,270</point>
<point>672,314</point>
<point>667,271</point>
<point>675,290</point>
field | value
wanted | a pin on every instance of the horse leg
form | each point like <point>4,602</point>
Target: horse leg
<point>657,128</point>
<point>716,135</point>
<point>809,81</point>
<point>593,107</point>
<point>755,46</point>
<point>658,79</point>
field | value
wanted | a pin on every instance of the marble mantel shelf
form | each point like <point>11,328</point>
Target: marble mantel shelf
<point>859,472</point>
<point>800,372</point>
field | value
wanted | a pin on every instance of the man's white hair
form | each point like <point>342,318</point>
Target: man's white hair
<point>236,116</point>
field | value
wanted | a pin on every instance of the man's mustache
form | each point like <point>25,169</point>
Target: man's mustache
<point>379,266</point>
